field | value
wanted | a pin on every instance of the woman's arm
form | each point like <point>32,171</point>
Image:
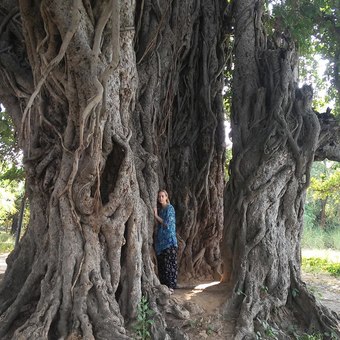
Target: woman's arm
<point>170,217</point>
<point>158,219</point>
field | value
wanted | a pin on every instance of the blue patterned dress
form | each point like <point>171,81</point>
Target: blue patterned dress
<point>166,247</point>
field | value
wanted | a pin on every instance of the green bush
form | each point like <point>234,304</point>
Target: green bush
<point>309,215</point>
<point>6,243</point>
<point>316,264</point>
<point>144,320</point>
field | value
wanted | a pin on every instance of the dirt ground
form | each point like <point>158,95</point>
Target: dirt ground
<point>326,288</point>
<point>205,300</point>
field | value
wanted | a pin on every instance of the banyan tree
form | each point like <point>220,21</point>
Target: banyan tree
<point>113,100</point>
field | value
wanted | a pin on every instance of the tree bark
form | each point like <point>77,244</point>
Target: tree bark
<point>322,216</point>
<point>180,58</point>
<point>275,136</point>
<point>329,137</point>
<point>109,104</point>
<point>78,269</point>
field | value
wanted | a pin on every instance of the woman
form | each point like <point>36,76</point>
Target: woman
<point>166,241</point>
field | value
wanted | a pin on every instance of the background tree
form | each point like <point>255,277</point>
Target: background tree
<point>314,26</point>
<point>110,102</point>
<point>325,191</point>
<point>322,220</point>
<point>8,144</point>
<point>11,176</point>
<point>276,136</point>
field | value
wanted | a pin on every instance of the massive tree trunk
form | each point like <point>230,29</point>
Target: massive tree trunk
<point>180,63</point>
<point>275,136</point>
<point>100,127</point>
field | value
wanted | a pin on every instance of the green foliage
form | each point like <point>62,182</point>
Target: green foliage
<point>334,236</point>
<point>210,330</point>
<point>327,183</point>
<point>306,19</point>
<point>313,25</point>
<point>228,156</point>
<point>266,331</point>
<point>6,242</point>
<point>309,216</point>
<point>323,198</point>
<point>144,321</point>
<point>317,238</point>
<point>10,201</point>
<point>316,264</point>
<point>312,69</point>
<point>312,238</point>
<point>8,145</point>
<point>295,292</point>
<point>264,289</point>
<point>11,173</point>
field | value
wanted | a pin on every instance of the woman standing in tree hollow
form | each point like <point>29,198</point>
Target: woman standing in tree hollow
<point>166,241</point>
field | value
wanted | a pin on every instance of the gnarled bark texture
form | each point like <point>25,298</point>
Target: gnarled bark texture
<point>275,136</point>
<point>180,65</point>
<point>108,102</point>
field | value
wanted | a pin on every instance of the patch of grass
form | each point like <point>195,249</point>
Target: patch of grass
<point>313,238</point>
<point>330,255</point>
<point>334,237</point>
<point>6,243</point>
<point>317,264</point>
<point>317,238</point>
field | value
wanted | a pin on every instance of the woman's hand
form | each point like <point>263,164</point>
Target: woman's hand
<point>158,219</point>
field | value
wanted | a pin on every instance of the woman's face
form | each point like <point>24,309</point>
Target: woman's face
<point>162,198</point>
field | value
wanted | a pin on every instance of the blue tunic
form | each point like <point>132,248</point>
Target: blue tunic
<point>166,235</point>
